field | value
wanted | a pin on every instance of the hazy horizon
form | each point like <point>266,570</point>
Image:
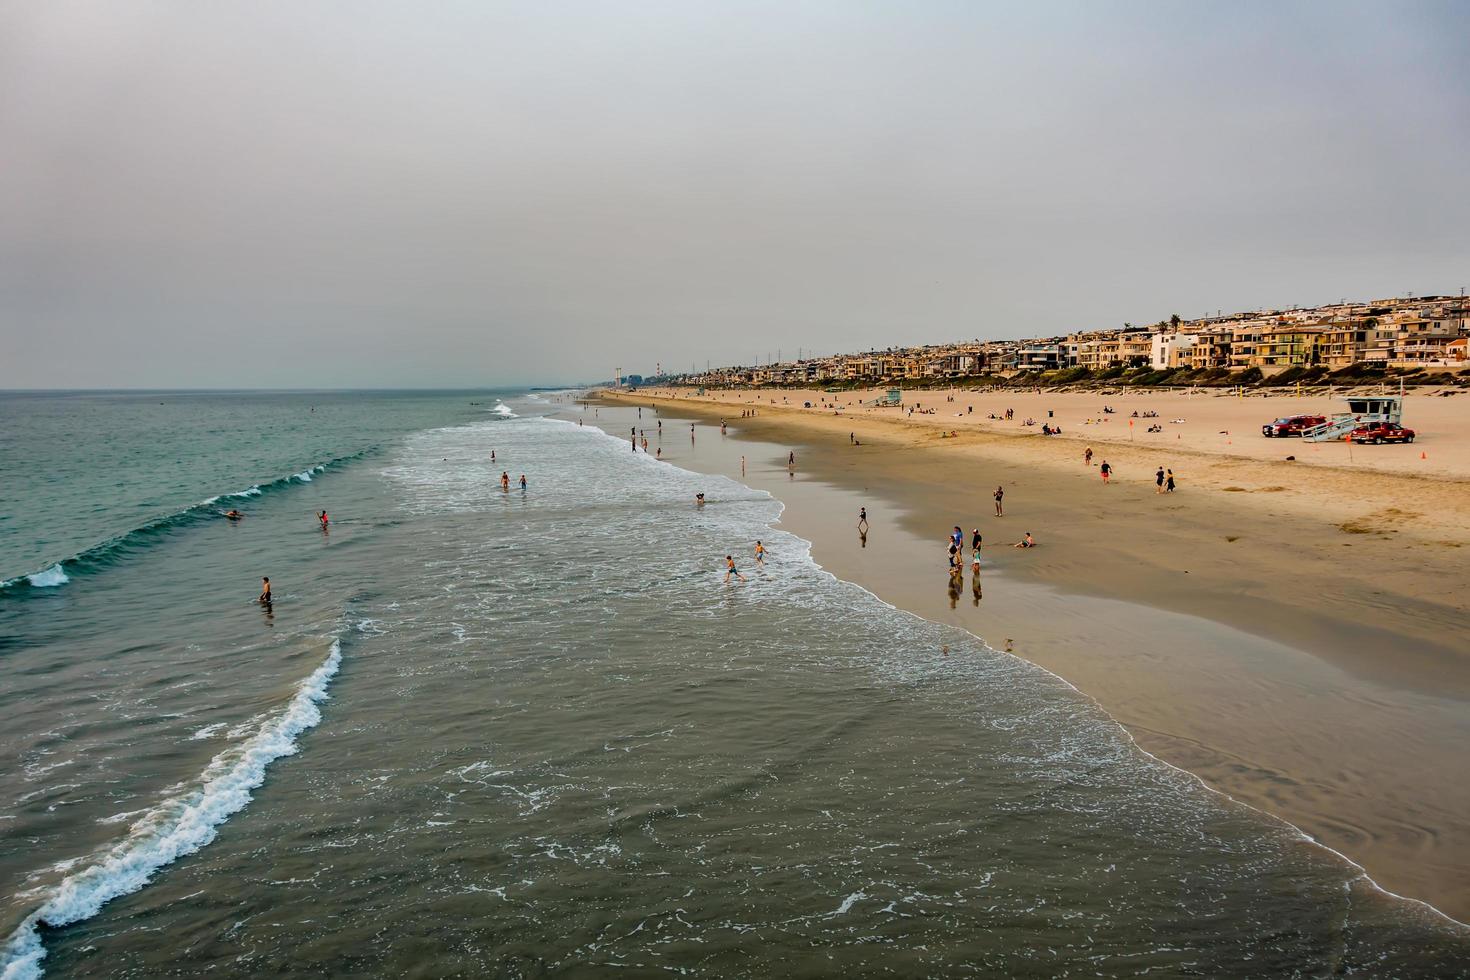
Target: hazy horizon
<point>360,196</point>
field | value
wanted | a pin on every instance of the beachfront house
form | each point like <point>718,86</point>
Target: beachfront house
<point>1041,356</point>
<point>1168,350</point>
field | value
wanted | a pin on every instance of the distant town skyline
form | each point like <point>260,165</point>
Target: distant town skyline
<point>373,195</point>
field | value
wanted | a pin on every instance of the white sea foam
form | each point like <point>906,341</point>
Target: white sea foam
<point>48,577</point>
<point>173,829</point>
<point>503,410</point>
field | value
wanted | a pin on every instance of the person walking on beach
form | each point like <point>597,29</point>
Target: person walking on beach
<point>1107,472</point>
<point>975,541</point>
<point>958,537</point>
<point>1159,481</point>
<point>265,591</point>
<point>742,465</point>
<point>760,553</point>
<point>731,570</point>
<point>999,495</point>
<point>863,519</point>
<point>1087,456</point>
<point>1169,482</point>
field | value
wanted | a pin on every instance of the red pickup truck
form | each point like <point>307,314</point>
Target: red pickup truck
<point>1381,432</point>
<point>1292,425</point>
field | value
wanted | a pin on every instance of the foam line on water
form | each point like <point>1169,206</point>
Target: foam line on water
<point>174,829</point>
<point>57,573</point>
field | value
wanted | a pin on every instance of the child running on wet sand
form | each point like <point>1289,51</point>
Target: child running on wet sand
<point>730,569</point>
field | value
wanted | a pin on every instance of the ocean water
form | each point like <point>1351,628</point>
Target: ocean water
<point>536,734</point>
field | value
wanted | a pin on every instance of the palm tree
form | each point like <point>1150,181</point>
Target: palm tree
<point>1174,320</point>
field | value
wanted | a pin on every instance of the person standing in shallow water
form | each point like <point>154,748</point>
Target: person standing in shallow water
<point>265,591</point>
<point>731,570</point>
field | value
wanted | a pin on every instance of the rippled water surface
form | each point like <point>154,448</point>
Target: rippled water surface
<point>535,733</point>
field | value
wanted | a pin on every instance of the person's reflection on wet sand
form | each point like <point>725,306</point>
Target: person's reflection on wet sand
<point>956,582</point>
<point>863,538</point>
<point>975,591</point>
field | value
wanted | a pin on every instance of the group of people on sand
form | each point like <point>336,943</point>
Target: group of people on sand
<point>1163,477</point>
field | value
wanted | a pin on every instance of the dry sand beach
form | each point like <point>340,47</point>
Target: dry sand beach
<point>1292,632</point>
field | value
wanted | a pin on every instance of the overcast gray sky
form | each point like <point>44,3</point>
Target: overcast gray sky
<point>288,194</point>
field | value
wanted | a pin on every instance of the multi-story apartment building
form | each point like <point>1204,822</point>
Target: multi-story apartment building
<point>1287,345</point>
<point>1210,350</point>
<point>1244,339</point>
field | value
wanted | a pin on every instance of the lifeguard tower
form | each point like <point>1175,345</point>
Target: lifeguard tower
<point>892,399</point>
<point>1362,409</point>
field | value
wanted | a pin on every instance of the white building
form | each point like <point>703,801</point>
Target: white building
<point>1161,351</point>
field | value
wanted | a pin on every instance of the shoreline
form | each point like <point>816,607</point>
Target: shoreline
<point>1333,722</point>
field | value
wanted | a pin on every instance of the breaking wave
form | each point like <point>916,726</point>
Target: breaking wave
<point>173,829</point>
<point>106,552</point>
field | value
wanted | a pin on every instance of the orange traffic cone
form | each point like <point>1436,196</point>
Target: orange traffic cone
<point>1422,454</point>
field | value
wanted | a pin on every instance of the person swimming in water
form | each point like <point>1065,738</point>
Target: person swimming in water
<point>699,499</point>
<point>323,518</point>
<point>233,515</point>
